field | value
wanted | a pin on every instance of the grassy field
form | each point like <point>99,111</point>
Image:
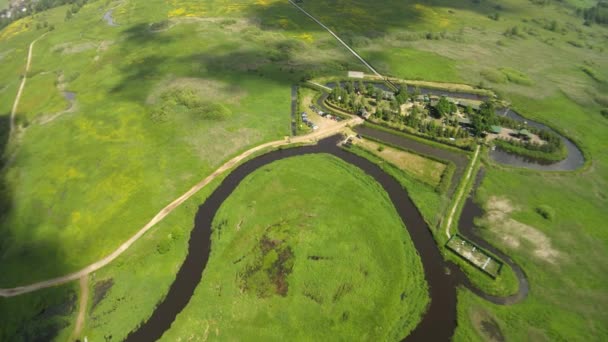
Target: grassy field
<point>135,141</point>
<point>305,266</point>
<point>541,72</point>
<point>424,169</point>
<point>434,206</point>
<point>81,183</point>
<point>42,316</point>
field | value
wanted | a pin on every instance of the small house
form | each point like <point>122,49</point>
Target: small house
<point>364,113</point>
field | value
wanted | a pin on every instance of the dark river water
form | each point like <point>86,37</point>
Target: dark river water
<point>442,287</point>
<point>439,321</point>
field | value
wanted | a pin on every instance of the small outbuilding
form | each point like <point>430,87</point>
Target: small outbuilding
<point>495,129</point>
<point>524,134</point>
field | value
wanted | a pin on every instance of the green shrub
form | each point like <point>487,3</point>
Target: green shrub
<point>494,76</point>
<point>516,76</point>
<point>180,100</point>
<point>160,25</point>
<point>591,73</point>
<point>227,22</point>
<point>546,212</point>
<point>164,246</point>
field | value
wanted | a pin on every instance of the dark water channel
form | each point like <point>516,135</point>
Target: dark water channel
<point>442,277</point>
<point>574,160</point>
<point>467,228</point>
<point>438,323</point>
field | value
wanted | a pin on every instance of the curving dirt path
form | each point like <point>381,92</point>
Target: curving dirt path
<point>22,85</point>
<point>310,138</point>
<point>82,309</point>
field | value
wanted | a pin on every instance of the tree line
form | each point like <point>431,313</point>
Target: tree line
<point>595,14</point>
<point>34,7</point>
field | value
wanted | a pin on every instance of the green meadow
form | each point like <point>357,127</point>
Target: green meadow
<point>543,73</point>
<point>333,266</point>
<point>132,143</point>
<point>179,87</point>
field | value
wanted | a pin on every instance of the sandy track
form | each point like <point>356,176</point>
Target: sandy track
<point>22,85</point>
<point>461,192</point>
<point>310,138</point>
<point>82,309</point>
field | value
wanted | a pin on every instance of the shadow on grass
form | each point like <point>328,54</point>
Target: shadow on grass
<point>38,316</point>
<point>369,19</point>
<point>280,61</point>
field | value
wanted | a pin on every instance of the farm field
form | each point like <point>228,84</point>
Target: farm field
<point>115,122</point>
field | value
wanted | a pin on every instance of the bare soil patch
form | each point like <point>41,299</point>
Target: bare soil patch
<point>272,263</point>
<point>486,326</point>
<point>514,233</point>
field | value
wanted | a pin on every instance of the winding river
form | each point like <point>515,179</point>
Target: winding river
<point>439,321</point>
<point>574,160</point>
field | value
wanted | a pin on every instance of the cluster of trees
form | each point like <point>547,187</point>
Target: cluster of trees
<point>38,6</point>
<point>45,25</point>
<point>357,96</point>
<point>186,100</point>
<point>432,129</point>
<point>538,151</point>
<point>513,32</point>
<point>552,141</point>
<point>596,14</point>
<point>483,119</point>
<point>444,108</point>
<point>75,8</point>
<point>43,5</point>
<point>553,144</point>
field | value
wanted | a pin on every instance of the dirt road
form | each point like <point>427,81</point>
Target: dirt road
<point>22,85</point>
<point>309,138</point>
<point>461,193</point>
<point>82,309</point>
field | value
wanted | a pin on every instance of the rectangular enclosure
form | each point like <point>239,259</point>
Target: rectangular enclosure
<point>474,255</point>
